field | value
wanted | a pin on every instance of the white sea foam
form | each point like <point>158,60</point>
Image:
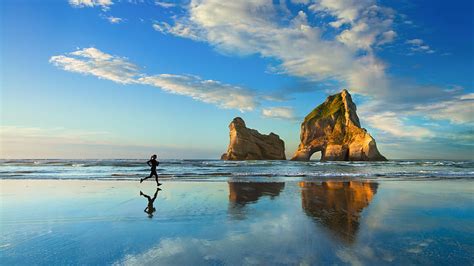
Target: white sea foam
<point>216,170</point>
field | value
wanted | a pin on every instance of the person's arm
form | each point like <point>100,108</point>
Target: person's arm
<point>149,161</point>
<point>145,209</point>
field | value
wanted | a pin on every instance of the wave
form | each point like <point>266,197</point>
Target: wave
<point>221,170</point>
<point>124,174</point>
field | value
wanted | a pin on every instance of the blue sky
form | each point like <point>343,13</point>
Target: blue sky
<point>123,79</point>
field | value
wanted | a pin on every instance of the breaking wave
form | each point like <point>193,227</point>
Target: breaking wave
<point>229,170</point>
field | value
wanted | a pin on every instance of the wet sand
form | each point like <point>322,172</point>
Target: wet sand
<point>325,222</point>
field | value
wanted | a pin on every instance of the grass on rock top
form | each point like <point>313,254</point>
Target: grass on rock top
<point>333,105</point>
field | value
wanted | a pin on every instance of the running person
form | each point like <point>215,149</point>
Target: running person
<point>153,163</point>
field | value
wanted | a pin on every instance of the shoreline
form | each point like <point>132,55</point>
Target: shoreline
<point>212,170</point>
<point>199,179</point>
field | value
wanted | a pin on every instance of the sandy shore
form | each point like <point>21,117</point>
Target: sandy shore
<point>106,222</point>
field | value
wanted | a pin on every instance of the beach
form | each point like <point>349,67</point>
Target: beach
<point>325,221</point>
<point>207,132</point>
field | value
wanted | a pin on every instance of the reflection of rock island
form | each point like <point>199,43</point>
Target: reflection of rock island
<point>337,205</point>
<point>242,193</point>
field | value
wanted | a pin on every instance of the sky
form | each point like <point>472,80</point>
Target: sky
<point>128,78</point>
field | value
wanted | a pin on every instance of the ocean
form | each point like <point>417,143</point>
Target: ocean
<point>245,171</point>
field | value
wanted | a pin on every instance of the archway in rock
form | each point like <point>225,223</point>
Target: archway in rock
<point>316,156</point>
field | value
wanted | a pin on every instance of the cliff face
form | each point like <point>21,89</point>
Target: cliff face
<point>334,129</point>
<point>249,144</point>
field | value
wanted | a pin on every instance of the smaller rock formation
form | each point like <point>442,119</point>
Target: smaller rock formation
<point>249,144</point>
<point>334,129</point>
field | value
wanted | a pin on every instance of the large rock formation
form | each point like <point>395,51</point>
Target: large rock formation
<point>248,144</point>
<point>334,129</point>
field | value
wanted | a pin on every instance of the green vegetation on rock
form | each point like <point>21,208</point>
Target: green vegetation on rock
<point>332,106</point>
<point>334,129</point>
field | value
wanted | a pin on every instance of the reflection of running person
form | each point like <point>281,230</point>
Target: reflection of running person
<point>150,209</point>
<point>153,163</point>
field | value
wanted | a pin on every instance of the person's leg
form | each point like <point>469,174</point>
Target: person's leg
<point>156,179</point>
<point>143,179</point>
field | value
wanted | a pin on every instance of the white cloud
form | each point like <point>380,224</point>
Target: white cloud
<point>178,29</point>
<point>368,23</point>
<point>165,4</point>
<point>459,110</point>
<point>91,3</point>
<point>208,91</point>
<point>91,61</point>
<point>393,124</point>
<point>256,28</point>
<point>398,113</point>
<point>388,37</point>
<point>344,11</point>
<point>418,45</point>
<point>114,20</point>
<point>415,41</point>
<point>279,112</point>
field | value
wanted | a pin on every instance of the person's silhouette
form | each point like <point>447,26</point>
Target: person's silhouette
<point>150,209</point>
<point>153,163</point>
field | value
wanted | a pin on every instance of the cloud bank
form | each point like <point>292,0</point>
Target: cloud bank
<point>286,113</point>
<point>91,3</point>
<point>92,61</point>
<point>256,28</point>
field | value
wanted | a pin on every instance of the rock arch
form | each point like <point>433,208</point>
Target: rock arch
<point>334,129</point>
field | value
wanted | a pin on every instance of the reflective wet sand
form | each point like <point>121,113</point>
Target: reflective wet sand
<point>194,223</point>
<point>337,204</point>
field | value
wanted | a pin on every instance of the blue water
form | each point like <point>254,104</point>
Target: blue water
<point>216,170</point>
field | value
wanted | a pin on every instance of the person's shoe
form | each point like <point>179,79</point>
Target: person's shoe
<point>159,184</point>
<point>141,193</point>
<point>141,180</point>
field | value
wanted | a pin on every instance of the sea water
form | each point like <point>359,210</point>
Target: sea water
<point>217,170</point>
